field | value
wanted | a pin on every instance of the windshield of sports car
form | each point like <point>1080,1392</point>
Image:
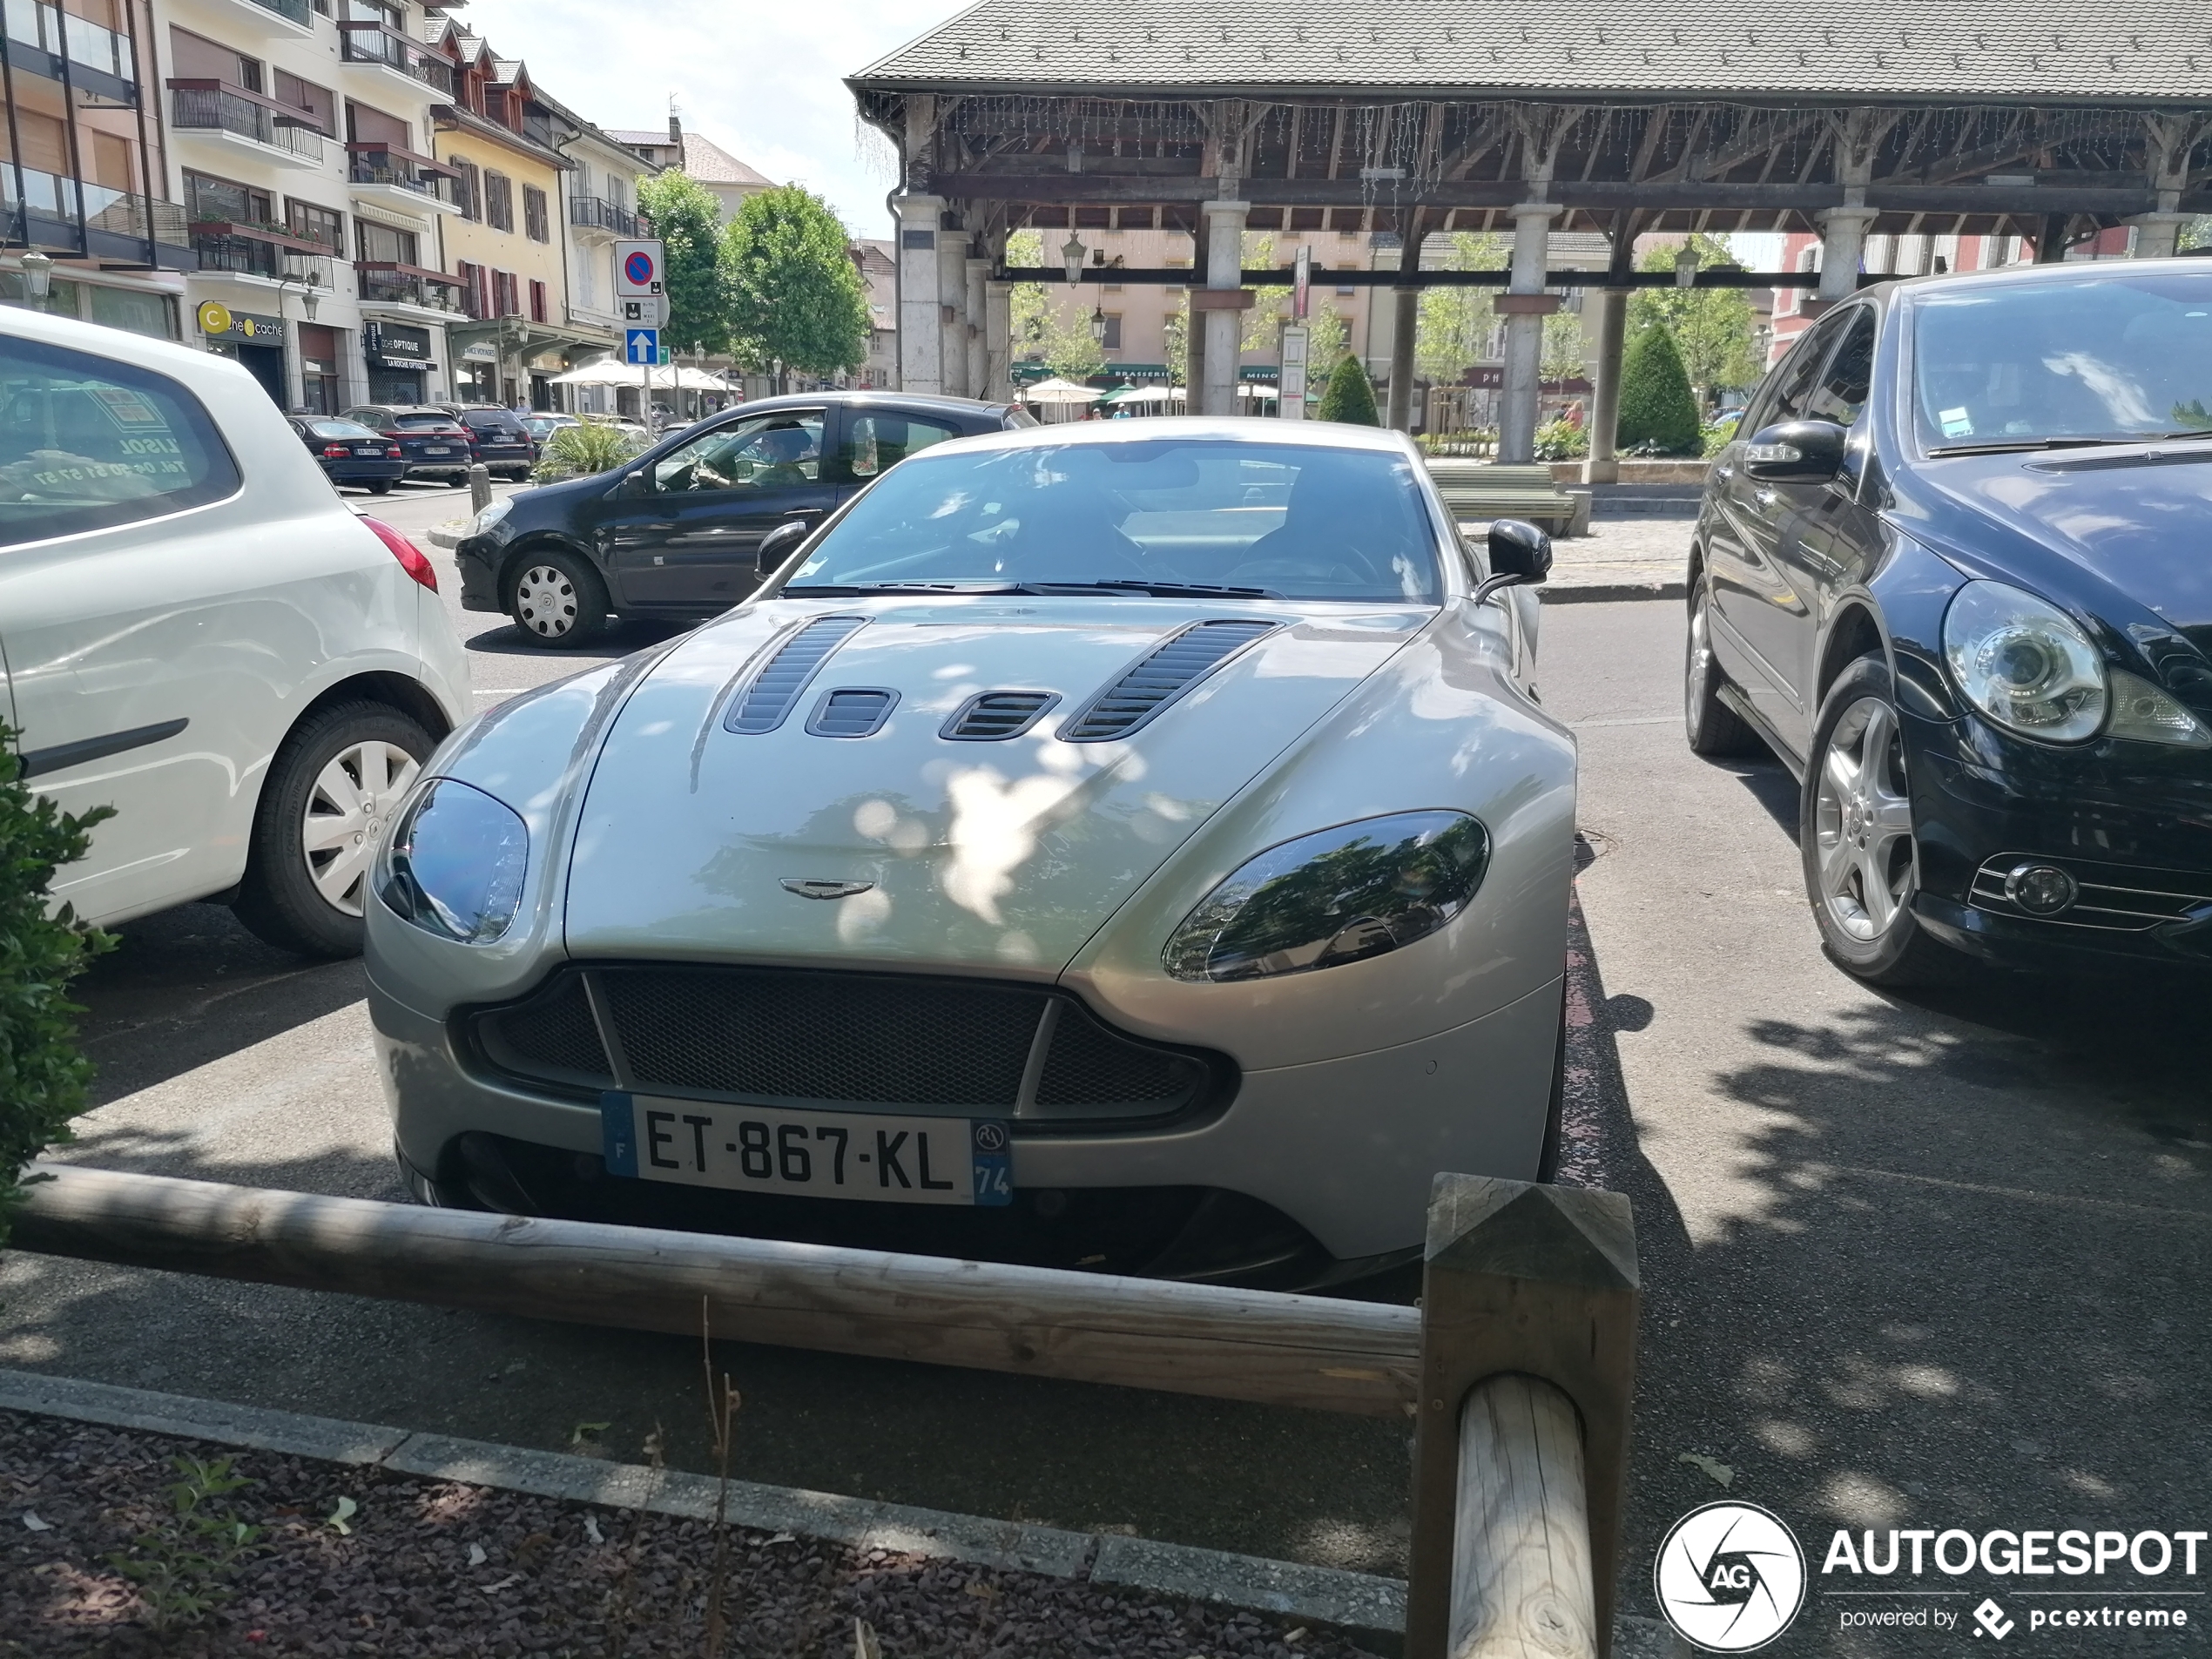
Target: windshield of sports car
<point>1164,514</point>
<point>2099,358</point>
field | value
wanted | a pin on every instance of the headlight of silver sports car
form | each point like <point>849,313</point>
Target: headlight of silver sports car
<point>2028,666</point>
<point>454,864</point>
<point>1339,895</point>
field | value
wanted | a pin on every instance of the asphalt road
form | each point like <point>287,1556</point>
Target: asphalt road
<point>1933,1262</point>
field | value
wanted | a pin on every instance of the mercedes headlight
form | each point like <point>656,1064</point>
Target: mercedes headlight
<point>481,525</point>
<point>2025,663</point>
<point>454,864</point>
<point>1340,896</point>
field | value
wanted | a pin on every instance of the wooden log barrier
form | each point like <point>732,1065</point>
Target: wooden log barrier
<point>1529,1331</point>
<point>1267,1347</point>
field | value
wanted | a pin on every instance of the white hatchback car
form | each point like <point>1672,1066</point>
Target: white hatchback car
<point>196,630</point>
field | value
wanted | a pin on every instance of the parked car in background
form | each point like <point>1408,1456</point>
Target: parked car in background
<point>1133,846</point>
<point>350,453</point>
<point>676,533</point>
<point>197,631</point>
<point>498,438</point>
<point>1952,573</point>
<point>432,441</point>
<point>541,425</point>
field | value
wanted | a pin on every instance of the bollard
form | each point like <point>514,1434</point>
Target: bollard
<point>1528,1333</point>
<point>479,488</point>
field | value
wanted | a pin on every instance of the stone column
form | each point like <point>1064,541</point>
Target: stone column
<point>1224,321</point>
<point>2157,233</point>
<point>975,315</point>
<point>922,332</point>
<point>1612,320</point>
<point>1525,305</point>
<point>998,342</point>
<point>952,312</point>
<point>1843,238</point>
<point>1405,330</point>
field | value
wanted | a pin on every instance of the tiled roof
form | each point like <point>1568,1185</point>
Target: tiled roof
<point>644,138</point>
<point>2065,51</point>
<point>710,163</point>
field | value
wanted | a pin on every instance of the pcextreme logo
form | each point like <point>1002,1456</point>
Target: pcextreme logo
<point>1730,1577</point>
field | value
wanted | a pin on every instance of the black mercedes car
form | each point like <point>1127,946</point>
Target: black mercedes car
<point>676,532</point>
<point>1953,572</point>
<point>350,453</point>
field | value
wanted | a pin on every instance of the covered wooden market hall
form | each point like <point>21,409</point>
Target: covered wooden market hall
<point>2050,120</point>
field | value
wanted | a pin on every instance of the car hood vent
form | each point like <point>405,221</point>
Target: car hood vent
<point>774,688</point>
<point>993,716</point>
<point>852,712</point>
<point>1172,668</point>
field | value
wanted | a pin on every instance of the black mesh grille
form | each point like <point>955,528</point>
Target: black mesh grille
<point>851,713</point>
<point>1161,677</point>
<point>555,1031</point>
<point>769,695</point>
<point>1087,1065</point>
<point>823,1036</point>
<point>997,714</point>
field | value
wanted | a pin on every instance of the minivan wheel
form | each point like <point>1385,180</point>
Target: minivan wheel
<point>1855,836</point>
<point>331,789</point>
<point>557,599</point>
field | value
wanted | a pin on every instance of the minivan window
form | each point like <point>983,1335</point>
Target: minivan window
<point>87,442</point>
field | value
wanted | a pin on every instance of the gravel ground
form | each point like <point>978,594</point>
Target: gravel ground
<point>431,1567</point>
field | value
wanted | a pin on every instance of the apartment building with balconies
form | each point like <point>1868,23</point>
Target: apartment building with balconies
<point>299,134</point>
<point>83,180</point>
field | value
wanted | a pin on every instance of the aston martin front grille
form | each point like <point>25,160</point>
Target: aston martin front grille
<point>833,1039</point>
<point>2116,898</point>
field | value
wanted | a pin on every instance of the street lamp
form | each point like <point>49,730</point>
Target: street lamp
<point>1071,258</point>
<point>1098,324</point>
<point>1686,267</point>
<point>37,275</point>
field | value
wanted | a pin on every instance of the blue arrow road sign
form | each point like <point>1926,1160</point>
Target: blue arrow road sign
<point>641,345</point>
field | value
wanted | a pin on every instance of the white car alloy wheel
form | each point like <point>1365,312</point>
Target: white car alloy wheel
<point>1863,822</point>
<point>545,602</point>
<point>352,799</point>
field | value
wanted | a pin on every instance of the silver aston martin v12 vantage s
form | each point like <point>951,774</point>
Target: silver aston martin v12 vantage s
<point>1133,845</point>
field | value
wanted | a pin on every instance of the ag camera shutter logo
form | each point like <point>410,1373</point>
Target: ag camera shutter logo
<point>1730,1577</point>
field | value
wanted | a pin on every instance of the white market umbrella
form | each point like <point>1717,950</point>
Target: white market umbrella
<point>662,377</point>
<point>1056,390</point>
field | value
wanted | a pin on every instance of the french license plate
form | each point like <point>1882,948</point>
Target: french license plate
<point>436,449</point>
<point>817,1155</point>
<point>369,451</point>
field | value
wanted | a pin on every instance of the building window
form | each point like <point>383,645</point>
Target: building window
<point>313,224</point>
<point>319,385</point>
<point>506,296</point>
<point>306,96</point>
<point>468,189</point>
<point>499,201</point>
<point>381,244</point>
<point>537,301</point>
<point>1176,264</point>
<point>475,289</point>
<point>1344,288</point>
<point>208,199</point>
<point>1113,340</point>
<point>536,223</point>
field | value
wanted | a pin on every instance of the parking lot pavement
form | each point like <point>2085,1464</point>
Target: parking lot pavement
<point>1915,1262</point>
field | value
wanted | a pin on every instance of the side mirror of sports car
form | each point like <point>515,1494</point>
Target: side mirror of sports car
<point>631,483</point>
<point>776,546</point>
<point>1519,555</point>
<point>1795,452</point>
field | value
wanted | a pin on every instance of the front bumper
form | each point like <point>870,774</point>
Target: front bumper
<point>476,557</point>
<point>1344,1149</point>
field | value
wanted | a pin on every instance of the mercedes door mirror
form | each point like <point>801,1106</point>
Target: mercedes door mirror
<point>1795,452</point>
<point>778,544</point>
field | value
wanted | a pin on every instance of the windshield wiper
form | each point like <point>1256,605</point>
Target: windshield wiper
<point>2011,445</point>
<point>1156,589</point>
<point>849,589</point>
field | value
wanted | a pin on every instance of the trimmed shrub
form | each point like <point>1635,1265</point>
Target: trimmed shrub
<point>1349,397</point>
<point>1658,410</point>
<point>41,1075</point>
<point>574,451</point>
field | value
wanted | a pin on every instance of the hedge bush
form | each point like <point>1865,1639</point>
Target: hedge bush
<point>1658,410</point>
<point>41,1075</point>
<point>1349,397</point>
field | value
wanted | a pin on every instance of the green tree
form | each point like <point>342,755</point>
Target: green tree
<point>1657,407</point>
<point>688,220</point>
<point>1456,324</point>
<point>1048,328</point>
<point>1714,329</point>
<point>41,1075</point>
<point>1563,354</point>
<point>1350,397</point>
<point>797,300</point>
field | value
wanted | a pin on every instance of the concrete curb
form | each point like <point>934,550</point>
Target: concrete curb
<point>1358,1604</point>
<point>1610,592</point>
<point>446,535</point>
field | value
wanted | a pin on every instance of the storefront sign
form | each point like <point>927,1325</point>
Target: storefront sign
<point>389,345</point>
<point>482,352</point>
<point>219,321</point>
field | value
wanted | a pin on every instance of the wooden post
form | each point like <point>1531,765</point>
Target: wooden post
<point>1520,1553</point>
<point>1521,1282</point>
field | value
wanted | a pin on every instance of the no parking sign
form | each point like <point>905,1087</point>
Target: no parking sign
<point>637,269</point>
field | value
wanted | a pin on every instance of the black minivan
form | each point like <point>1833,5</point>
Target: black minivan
<point>676,532</point>
<point>500,440</point>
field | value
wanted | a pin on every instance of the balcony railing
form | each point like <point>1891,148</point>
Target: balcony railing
<point>596,212</point>
<point>254,256</point>
<point>385,282</point>
<point>297,11</point>
<point>378,44</point>
<point>204,104</point>
<point>59,35</point>
<point>50,206</point>
<point>385,163</point>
